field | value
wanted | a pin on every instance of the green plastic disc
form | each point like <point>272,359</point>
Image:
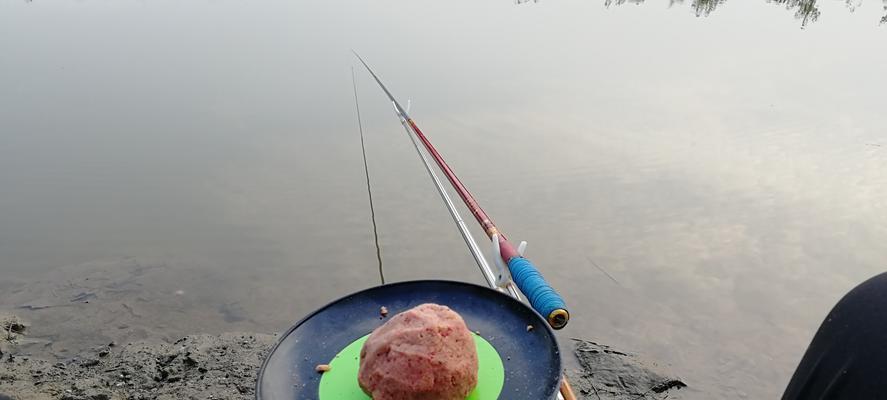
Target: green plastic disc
<point>340,382</point>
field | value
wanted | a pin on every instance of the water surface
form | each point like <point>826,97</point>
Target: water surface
<point>195,166</point>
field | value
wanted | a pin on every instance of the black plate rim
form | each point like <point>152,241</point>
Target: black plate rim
<point>331,303</point>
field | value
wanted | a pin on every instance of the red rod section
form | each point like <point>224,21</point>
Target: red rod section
<point>506,249</point>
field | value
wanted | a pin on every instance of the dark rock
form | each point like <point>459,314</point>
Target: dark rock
<point>189,362</point>
<point>608,374</point>
<point>89,362</point>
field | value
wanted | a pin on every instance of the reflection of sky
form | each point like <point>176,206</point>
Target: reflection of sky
<point>725,172</point>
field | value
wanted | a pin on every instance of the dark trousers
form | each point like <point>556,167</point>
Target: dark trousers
<point>847,358</point>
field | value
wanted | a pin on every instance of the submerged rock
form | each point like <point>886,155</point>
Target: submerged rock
<point>12,327</point>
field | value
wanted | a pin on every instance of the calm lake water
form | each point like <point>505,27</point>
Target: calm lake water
<point>195,166</point>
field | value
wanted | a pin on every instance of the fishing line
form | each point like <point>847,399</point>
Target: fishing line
<point>366,170</point>
<point>603,270</point>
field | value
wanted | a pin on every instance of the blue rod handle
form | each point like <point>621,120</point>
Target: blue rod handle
<point>541,295</point>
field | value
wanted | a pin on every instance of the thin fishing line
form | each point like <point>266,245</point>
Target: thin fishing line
<point>366,170</point>
<point>603,270</point>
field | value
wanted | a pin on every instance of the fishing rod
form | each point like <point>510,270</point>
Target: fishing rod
<point>566,390</point>
<point>476,252</point>
<point>524,274</point>
<point>473,247</point>
<point>531,279</point>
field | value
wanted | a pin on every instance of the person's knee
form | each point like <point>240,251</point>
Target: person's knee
<point>873,289</point>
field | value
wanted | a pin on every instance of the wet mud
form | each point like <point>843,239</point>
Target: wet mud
<point>225,367</point>
<point>193,367</point>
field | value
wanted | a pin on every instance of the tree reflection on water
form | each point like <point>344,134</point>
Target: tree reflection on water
<point>806,11</point>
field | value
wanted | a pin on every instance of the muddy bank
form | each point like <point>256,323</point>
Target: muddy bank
<point>225,367</point>
<point>194,367</point>
<point>119,329</point>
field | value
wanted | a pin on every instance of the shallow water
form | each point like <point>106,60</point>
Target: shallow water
<point>195,166</point>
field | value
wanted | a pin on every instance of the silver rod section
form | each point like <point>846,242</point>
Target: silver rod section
<point>476,252</point>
